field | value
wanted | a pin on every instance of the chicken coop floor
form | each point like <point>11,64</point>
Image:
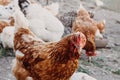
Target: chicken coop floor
<point>106,65</point>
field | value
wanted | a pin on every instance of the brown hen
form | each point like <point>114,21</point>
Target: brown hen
<point>89,28</point>
<point>44,61</point>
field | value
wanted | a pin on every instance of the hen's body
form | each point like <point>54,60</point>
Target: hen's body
<point>42,22</point>
<point>45,61</point>
<point>87,26</point>
<point>90,28</point>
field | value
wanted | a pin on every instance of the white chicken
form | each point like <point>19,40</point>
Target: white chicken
<point>3,24</point>
<point>10,7</point>
<point>7,11</point>
<point>4,14</point>
<point>42,22</point>
<point>7,37</point>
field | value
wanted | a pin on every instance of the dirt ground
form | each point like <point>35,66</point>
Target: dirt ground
<point>106,65</point>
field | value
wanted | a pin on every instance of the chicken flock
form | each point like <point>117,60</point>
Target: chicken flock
<point>36,35</point>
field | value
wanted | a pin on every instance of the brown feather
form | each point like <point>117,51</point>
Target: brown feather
<point>83,23</point>
<point>45,61</point>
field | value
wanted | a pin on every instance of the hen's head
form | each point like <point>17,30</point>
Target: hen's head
<point>78,39</point>
<point>75,43</point>
<point>69,47</point>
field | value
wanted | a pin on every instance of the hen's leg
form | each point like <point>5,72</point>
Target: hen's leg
<point>89,58</point>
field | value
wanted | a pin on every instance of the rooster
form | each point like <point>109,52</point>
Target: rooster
<point>39,60</point>
<point>42,22</point>
<point>90,28</point>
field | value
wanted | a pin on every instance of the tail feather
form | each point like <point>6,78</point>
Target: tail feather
<point>20,20</point>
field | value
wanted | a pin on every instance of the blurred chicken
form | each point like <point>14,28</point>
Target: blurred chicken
<point>10,7</point>
<point>7,11</point>
<point>42,22</point>
<point>83,13</point>
<point>38,60</point>
<point>6,18</point>
<point>6,33</point>
<point>7,36</point>
<point>4,14</point>
<point>89,28</point>
<point>6,23</point>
